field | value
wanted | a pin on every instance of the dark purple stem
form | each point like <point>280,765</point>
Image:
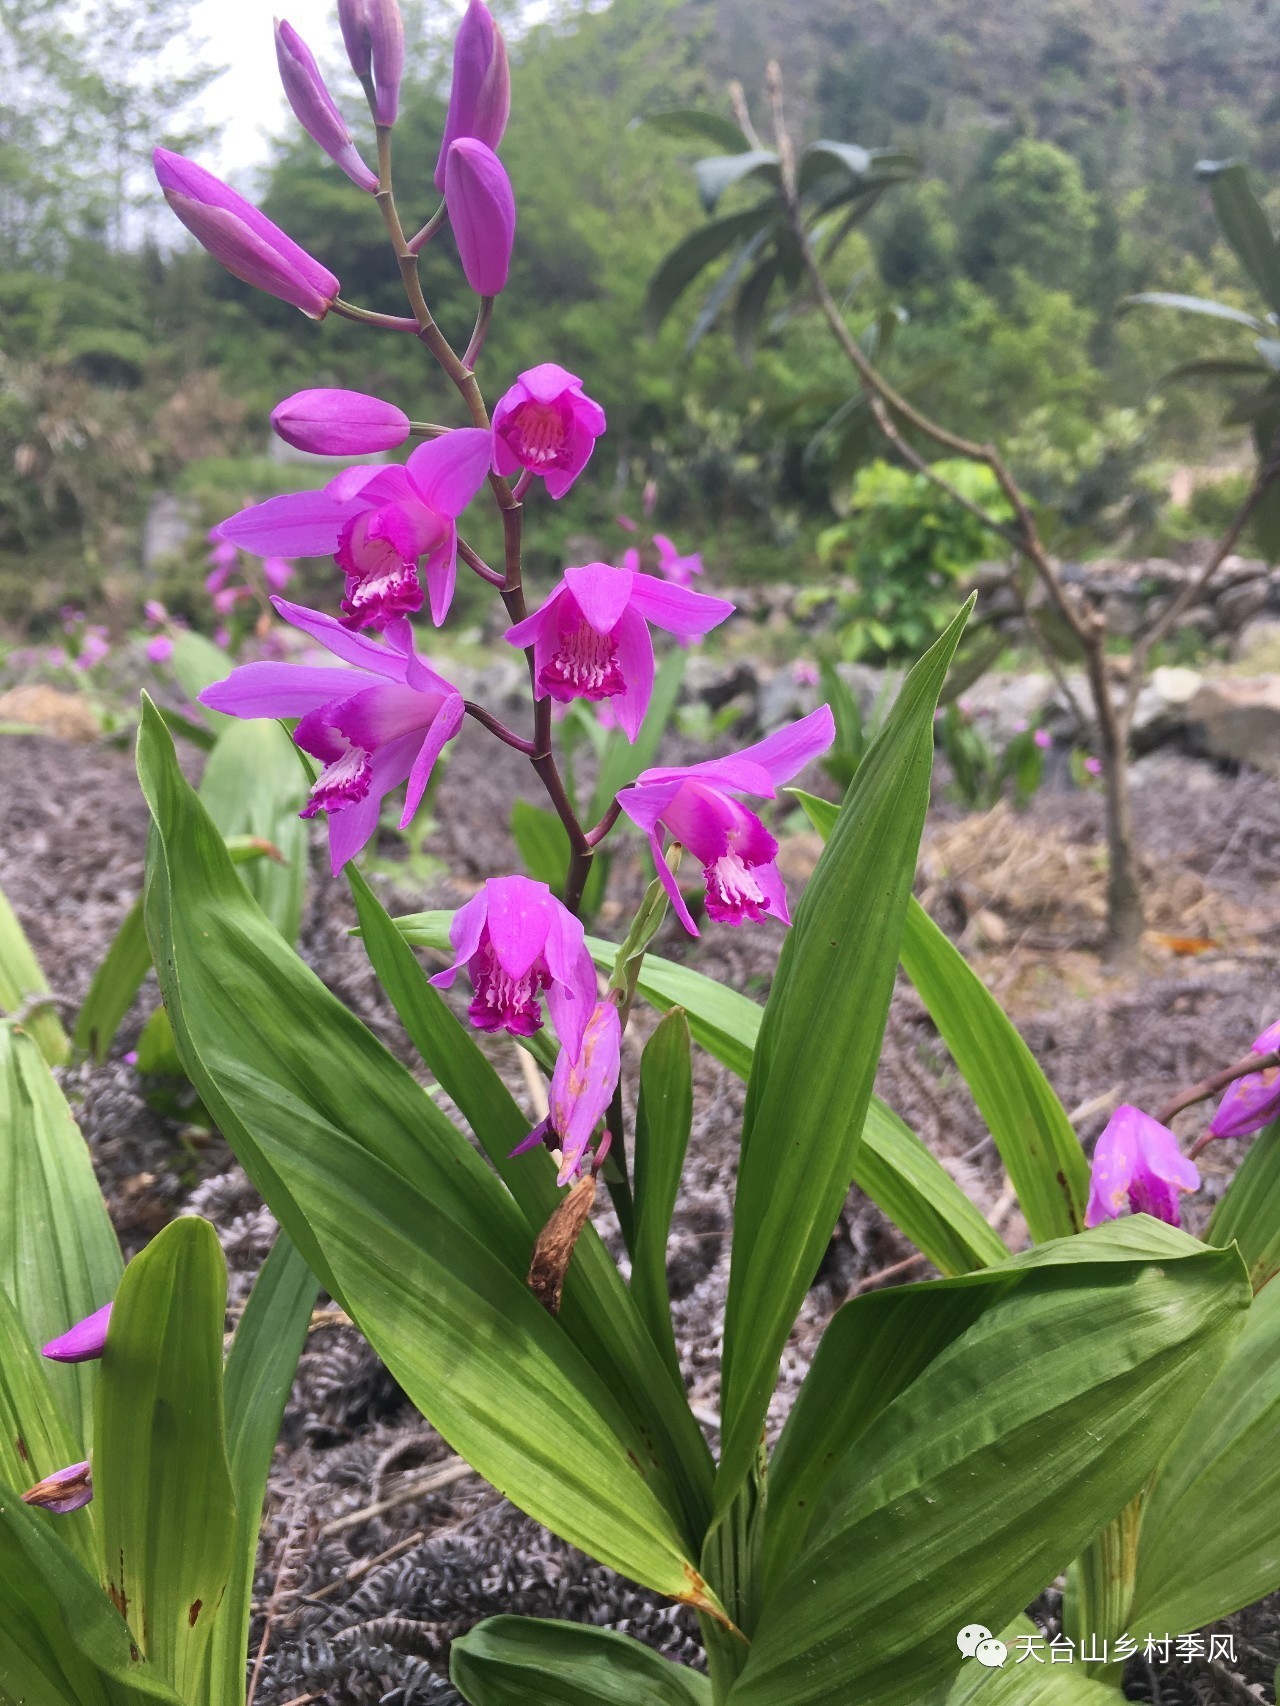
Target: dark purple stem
<point>487,720</point>
<point>475,561</point>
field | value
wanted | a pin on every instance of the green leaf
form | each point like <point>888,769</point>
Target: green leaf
<point>258,1377</point>
<point>798,1153</point>
<point>543,843</point>
<point>35,1438</point>
<point>678,269</point>
<point>23,983</point>
<point>162,1487</point>
<point>597,1311</point>
<point>1244,225</point>
<point>992,1469</point>
<point>1210,1538</point>
<point>197,663</point>
<point>693,121</point>
<point>1022,1682</point>
<point>1195,305</point>
<point>527,1661</point>
<point>406,1224</point>
<point>59,1260</point>
<point>253,785</point>
<point>724,287</point>
<point>62,1642</point>
<point>719,172</point>
<point>1249,1213</point>
<point>860,166</point>
<point>1213,367</point>
<point>115,985</point>
<point>892,1166</point>
<point>664,1116</point>
<point>1030,1127</point>
<point>748,310</point>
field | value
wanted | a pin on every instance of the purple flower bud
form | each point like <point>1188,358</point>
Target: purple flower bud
<point>480,95</point>
<point>277,572</point>
<point>373,35</point>
<point>1093,766</point>
<point>482,211</point>
<point>1043,739</point>
<point>159,648</point>
<point>1254,1100</point>
<point>339,423</point>
<point>1137,1162</point>
<point>313,105</point>
<point>83,1342</point>
<point>63,1491</point>
<point>243,240</point>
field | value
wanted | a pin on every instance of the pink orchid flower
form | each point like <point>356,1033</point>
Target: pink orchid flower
<point>377,724</point>
<point>548,425</point>
<point>591,638</point>
<point>1137,1161</point>
<point>517,941</point>
<point>582,1087</point>
<point>1254,1100</point>
<point>698,806</point>
<point>84,1342</point>
<point>159,648</point>
<point>379,524</point>
<point>677,569</point>
<point>480,94</point>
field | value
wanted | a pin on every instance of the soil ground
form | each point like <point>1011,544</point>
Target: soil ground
<point>379,1546</point>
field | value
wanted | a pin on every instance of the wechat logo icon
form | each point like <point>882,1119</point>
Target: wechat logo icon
<point>976,1641</point>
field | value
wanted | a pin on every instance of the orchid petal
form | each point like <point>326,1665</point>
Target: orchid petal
<point>299,524</point>
<point>448,471</point>
<point>676,608</point>
<point>442,576</point>
<point>464,936</point>
<point>671,885</point>
<point>786,753</point>
<point>601,593</point>
<point>279,689</point>
<point>447,722</point>
<point>519,917</point>
<point>342,642</point>
<point>635,662</point>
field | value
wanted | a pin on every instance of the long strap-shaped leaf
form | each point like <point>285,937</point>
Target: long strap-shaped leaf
<point>526,1661</point>
<point>1249,1212</point>
<point>62,1642</point>
<point>258,1376</point>
<point>59,1260</point>
<point>162,1487</point>
<point>892,1165</point>
<point>992,1469</point>
<point>597,1311</point>
<point>406,1224</point>
<point>816,1059</point>
<point>664,1115</point>
<point>22,981</point>
<point>1041,1152</point>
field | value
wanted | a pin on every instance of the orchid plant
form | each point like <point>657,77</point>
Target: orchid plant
<point>955,1444</point>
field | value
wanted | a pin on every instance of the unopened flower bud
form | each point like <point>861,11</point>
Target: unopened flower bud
<point>373,34</point>
<point>242,239</point>
<point>64,1491</point>
<point>482,211</point>
<point>85,1341</point>
<point>314,108</point>
<point>480,95</point>
<point>339,423</point>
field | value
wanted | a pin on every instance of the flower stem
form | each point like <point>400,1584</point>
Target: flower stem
<point>483,316</point>
<point>487,720</point>
<point>367,317</point>
<point>421,238</point>
<point>475,561</point>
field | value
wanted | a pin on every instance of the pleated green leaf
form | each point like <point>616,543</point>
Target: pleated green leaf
<point>259,1374</point>
<point>23,983</point>
<point>162,1486</point>
<point>891,1165</point>
<point>1022,1681</point>
<point>35,1439</point>
<point>115,985</point>
<point>528,1661</point>
<point>405,1222</point>
<point>1210,1536</point>
<point>253,784</point>
<point>816,1058</point>
<point>597,1311</point>
<point>62,1642</point>
<point>664,1116</point>
<point>987,1475</point>
<point>1249,1213</point>
<point>1028,1123</point>
<point>59,1259</point>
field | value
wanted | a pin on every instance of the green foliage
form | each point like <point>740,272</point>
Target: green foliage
<point>907,546</point>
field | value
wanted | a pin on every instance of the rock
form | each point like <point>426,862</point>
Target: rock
<point>1239,719</point>
<point>874,689</point>
<point>717,683</point>
<point>1258,645</point>
<point>1161,710</point>
<point>66,715</point>
<point>166,530</point>
<point>780,698</point>
<point>1234,605</point>
<point>1004,703</point>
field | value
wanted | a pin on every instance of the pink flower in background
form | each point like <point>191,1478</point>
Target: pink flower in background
<point>328,422</point>
<point>222,558</point>
<point>1253,1101</point>
<point>243,240</point>
<point>379,524</point>
<point>373,35</point>
<point>222,637</point>
<point>227,597</point>
<point>677,569</point>
<point>1093,766</point>
<point>1137,1163</point>
<point>64,1491</point>
<point>383,721</point>
<point>277,572</point>
<point>518,942</point>
<point>159,648</point>
<point>84,1342</point>
<point>1043,739</point>
<point>591,638</point>
<point>95,645</point>
<point>482,212</point>
<point>582,1087</point>
<point>314,108</point>
<point>804,673</point>
<point>546,424</point>
<point>698,806</point>
<point>480,93</point>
